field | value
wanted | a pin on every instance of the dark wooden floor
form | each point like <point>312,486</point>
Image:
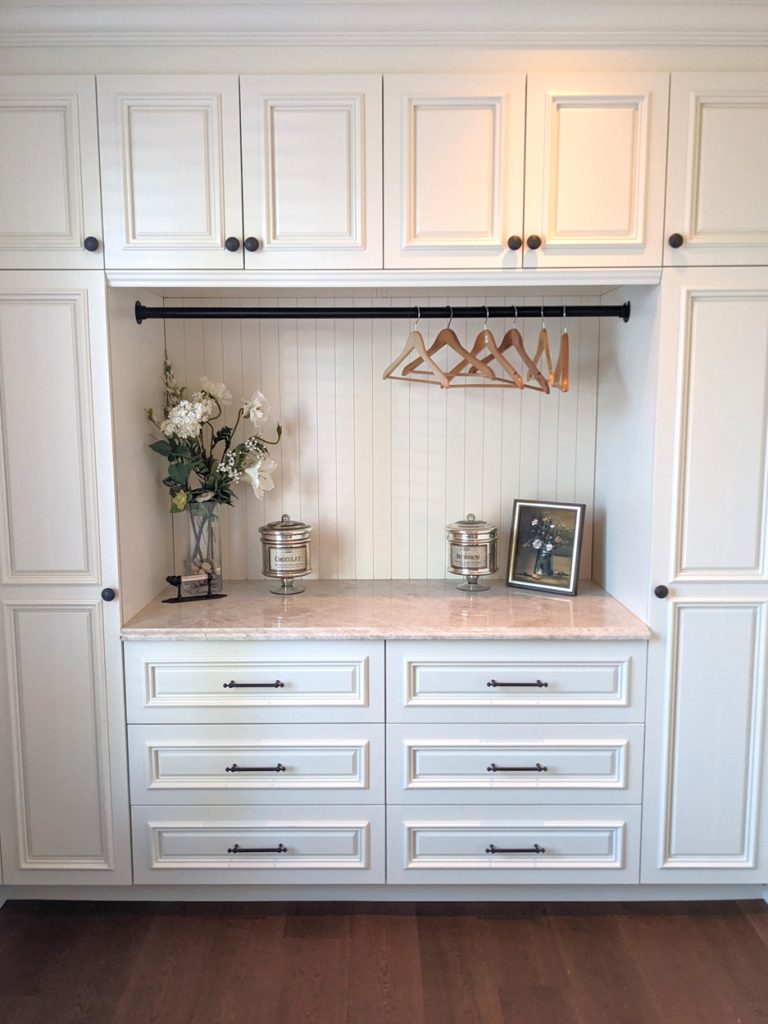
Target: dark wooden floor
<point>150,963</point>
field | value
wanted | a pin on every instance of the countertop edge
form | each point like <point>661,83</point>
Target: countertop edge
<point>222,633</point>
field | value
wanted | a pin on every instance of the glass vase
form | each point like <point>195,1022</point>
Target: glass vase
<point>202,558</point>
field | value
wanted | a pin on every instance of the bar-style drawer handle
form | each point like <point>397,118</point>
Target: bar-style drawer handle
<point>270,768</point>
<point>258,849</point>
<point>232,685</point>
<point>500,768</point>
<point>515,849</point>
<point>539,683</point>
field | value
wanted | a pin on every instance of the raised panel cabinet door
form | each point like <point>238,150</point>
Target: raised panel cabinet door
<point>595,169</point>
<point>705,779</point>
<point>49,173</point>
<point>63,777</point>
<point>312,171</point>
<point>717,204</point>
<point>170,166</point>
<point>453,170</point>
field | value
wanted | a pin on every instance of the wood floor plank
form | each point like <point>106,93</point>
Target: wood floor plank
<point>470,963</point>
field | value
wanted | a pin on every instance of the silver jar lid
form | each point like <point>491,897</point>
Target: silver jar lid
<point>285,529</point>
<point>470,529</point>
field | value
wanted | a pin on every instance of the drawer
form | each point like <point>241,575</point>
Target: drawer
<point>285,845</point>
<point>520,681</point>
<point>448,844</point>
<point>256,764</point>
<point>254,681</point>
<point>581,764</point>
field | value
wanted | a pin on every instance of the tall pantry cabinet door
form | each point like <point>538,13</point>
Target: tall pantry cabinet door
<point>453,170</point>
<point>63,787</point>
<point>717,202</point>
<point>49,173</point>
<point>705,792</point>
<point>312,171</point>
<point>594,169</point>
<point>170,168</point>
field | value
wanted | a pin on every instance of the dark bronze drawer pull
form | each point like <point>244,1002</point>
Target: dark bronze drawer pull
<point>258,849</point>
<point>232,685</point>
<point>500,768</point>
<point>514,849</point>
<point>539,683</point>
<point>270,768</point>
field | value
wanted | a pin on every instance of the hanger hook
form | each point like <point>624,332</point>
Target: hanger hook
<point>563,329</point>
<point>418,317</point>
<point>450,318</point>
<point>485,322</point>
<point>514,322</point>
<point>543,324</point>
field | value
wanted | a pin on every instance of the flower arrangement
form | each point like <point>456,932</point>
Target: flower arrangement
<point>545,536</point>
<point>204,464</point>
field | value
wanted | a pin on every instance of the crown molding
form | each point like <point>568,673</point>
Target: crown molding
<point>525,24</point>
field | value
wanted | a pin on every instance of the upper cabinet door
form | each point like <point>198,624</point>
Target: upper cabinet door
<point>312,171</point>
<point>453,170</point>
<point>49,173</point>
<point>595,163</point>
<point>170,162</point>
<point>717,202</point>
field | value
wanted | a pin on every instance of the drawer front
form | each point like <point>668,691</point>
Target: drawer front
<point>526,681</point>
<point>518,845</point>
<point>256,764</point>
<point>277,844</point>
<point>514,764</point>
<point>246,681</point>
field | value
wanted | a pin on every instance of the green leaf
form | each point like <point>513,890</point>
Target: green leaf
<point>163,448</point>
<point>179,472</point>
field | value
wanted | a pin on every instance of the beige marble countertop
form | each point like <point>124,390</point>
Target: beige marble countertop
<point>389,610</point>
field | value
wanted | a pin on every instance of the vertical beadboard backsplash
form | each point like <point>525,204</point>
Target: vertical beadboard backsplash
<point>379,467</point>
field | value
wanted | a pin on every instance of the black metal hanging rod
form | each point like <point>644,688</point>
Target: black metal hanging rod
<point>371,312</point>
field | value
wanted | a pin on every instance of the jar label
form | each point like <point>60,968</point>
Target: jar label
<point>287,559</point>
<point>469,557</point>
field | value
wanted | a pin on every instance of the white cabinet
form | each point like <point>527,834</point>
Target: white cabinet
<point>170,164</point>
<point>453,169</point>
<point>717,203</point>
<point>594,169</point>
<point>308,194</point>
<point>311,171</point>
<point>49,173</point>
<point>587,151</point>
<point>63,785</point>
<point>705,818</point>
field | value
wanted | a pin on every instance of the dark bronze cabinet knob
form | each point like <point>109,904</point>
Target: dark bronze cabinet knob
<point>675,241</point>
<point>232,244</point>
<point>514,242</point>
<point>661,591</point>
<point>91,244</point>
<point>534,242</point>
<point>251,243</point>
<point>108,594</point>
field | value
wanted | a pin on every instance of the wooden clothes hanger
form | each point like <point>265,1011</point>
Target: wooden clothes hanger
<point>485,340</point>
<point>415,343</point>
<point>514,339</point>
<point>543,349</point>
<point>448,338</point>
<point>562,380</point>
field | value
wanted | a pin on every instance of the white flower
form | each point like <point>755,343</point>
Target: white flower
<point>209,407</point>
<point>549,547</point>
<point>205,496</point>
<point>259,476</point>
<point>184,420</point>
<point>534,522</point>
<point>256,408</point>
<point>536,543</point>
<point>216,390</point>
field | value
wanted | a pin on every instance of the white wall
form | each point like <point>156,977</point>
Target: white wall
<point>379,467</point>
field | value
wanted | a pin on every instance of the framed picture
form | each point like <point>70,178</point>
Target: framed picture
<point>545,546</point>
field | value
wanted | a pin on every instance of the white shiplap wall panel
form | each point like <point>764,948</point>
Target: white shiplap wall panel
<point>379,467</point>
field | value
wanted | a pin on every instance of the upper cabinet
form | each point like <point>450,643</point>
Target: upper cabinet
<point>594,169</point>
<point>453,170</point>
<point>308,194</point>
<point>717,201</point>
<point>170,159</point>
<point>311,171</point>
<point>49,165</point>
